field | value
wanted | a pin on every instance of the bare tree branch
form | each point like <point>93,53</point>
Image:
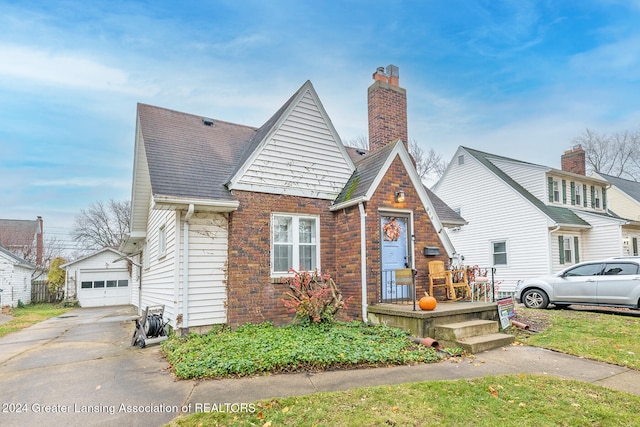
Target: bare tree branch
<point>617,154</point>
<point>102,224</point>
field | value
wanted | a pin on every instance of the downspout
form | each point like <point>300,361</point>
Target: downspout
<point>363,260</point>
<point>551,248</point>
<point>185,267</point>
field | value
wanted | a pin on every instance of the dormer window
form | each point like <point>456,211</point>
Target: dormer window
<point>556,191</point>
<point>597,199</point>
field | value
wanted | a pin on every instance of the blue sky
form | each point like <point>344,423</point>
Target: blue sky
<point>518,78</point>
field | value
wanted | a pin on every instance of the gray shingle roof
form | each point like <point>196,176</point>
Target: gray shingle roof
<point>558,214</point>
<point>368,165</point>
<point>631,188</point>
<point>18,260</point>
<point>187,158</point>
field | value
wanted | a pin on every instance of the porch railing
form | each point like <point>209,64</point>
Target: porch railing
<point>398,286</point>
<point>396,289</point>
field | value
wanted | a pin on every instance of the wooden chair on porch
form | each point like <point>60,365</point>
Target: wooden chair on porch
<point>439,277</point>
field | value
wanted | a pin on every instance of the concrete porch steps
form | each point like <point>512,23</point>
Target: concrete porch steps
<point>473,336</point>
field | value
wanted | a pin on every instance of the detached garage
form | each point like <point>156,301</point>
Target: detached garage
<point>99,279</point>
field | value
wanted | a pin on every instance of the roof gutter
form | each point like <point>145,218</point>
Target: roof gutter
<point>348,203</point>
<point>221,205</point>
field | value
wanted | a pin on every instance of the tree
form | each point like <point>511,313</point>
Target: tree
<point>56,277</point>
<point>102,224</point>
<point>429,165</point>
<point>617,154</point>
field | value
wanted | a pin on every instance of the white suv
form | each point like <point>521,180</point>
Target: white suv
<point>611,282</point>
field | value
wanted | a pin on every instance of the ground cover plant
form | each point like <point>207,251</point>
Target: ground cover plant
<point>263,348</point>
<point>606,335</point>
<point>522,400</point>
<point>31,314</point>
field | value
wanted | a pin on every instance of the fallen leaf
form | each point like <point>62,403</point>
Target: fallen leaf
<point>285,409</point>
<point>395,409</point>
<point>493,391</point>
<point>98,387</point>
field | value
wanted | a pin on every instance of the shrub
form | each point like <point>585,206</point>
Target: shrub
<point>313,297</point>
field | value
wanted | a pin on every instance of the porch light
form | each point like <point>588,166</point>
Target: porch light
<point>400,196</point>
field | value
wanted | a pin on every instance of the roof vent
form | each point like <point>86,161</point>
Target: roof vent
<point>208,122</point>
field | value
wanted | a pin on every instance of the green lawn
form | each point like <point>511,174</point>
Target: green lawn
<point>30,315</point>
<point>606,337</point>
<point>522,400</point>
<point>514,400</point>
<point>263,348</point>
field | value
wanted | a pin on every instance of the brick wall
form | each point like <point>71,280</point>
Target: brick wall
<point>252,296</point>
<point>348,254</point>
<point>387,105</point>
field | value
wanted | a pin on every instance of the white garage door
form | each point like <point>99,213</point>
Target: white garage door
<point>100,288</point>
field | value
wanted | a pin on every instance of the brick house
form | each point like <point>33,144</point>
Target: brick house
<point>221,211</point>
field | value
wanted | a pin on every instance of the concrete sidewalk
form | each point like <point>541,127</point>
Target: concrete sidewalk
<point>79,369</point>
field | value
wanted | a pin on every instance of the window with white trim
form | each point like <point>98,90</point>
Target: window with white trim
<point>597,198</point>
<point>568,250</point>
<point>295,243</point>
<point>162,241</point>
<point>499,251</point>
<point>556,191</point>
<point>578,195</point>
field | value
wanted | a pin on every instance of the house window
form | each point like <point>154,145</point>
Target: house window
<point>597,198</point>
<point>499,252</point>
<point>568,248</point>
<point>635,246</point>
<point>295,243</point>
<point>461,159</point>
<point>578,195</point>
<point>162,241</point>
<point>556,191</point>
<point>568,253</point>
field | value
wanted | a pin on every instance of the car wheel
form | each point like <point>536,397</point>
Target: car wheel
<point>535,298</point>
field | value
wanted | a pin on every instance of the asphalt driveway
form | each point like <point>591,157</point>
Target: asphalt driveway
<point>79,369</point>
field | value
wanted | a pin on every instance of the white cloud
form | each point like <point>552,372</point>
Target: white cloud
<point>64,69</point>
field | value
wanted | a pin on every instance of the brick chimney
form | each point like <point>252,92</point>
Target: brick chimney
<point>39,242</point>
<point>574,160</point>
<point>387,109</point>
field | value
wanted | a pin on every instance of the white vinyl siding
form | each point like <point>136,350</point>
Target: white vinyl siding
<point>603,239</point>
<point>493,209</point>
<point>530,177</point>
<point>301,158</point>
<point>15,282</point>
<point>208,248</point>
<point>158,274</point>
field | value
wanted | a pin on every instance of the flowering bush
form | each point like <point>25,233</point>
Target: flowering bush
<point>313,297</point>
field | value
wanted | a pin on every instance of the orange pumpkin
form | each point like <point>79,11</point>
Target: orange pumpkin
<point>427,303</point>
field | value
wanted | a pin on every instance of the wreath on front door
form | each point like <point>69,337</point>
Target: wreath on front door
<point>391,230</point>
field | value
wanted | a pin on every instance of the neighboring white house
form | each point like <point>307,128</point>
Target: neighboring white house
<point>99,279</point>
<point>526,219</point>
<point>623,199</point>
<point>15,279</point>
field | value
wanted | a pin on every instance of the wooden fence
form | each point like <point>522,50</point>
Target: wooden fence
<point>40,293</point>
